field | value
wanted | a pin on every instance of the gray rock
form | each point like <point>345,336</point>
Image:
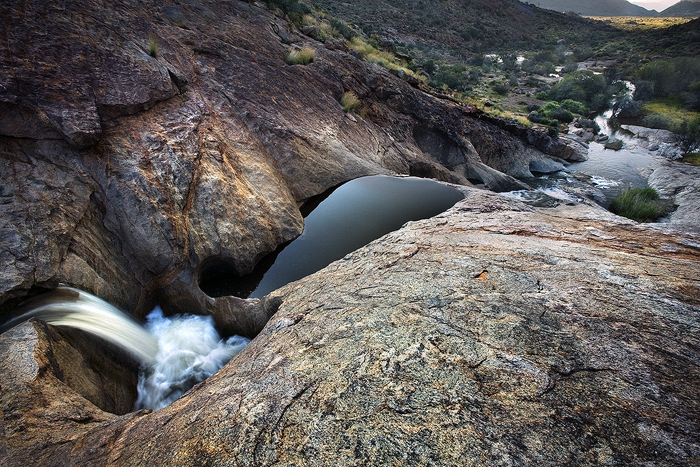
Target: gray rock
<point>680,182</point>
<point>614,144</point>
<point>651,134</point>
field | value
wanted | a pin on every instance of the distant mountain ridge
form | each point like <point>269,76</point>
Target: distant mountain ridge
<point>684,8</point>
<point>459,28</point>
<point>595,7</point>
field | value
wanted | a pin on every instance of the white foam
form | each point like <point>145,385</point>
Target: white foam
<point>189,351</point>
<point>558,193</point>
<point>603,182</point>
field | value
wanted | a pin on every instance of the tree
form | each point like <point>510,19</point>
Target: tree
<point>688,138</point>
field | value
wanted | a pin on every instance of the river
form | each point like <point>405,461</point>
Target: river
<point>345,219</point>
<point>606,173</point>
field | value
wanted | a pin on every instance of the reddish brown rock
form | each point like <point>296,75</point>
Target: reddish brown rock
<point>141,142</point>
<point>495,333</point>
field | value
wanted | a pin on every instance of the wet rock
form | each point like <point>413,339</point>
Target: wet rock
<point>55,386</point>
<point>614,144</point>
<point>578,146</point>
<point>680,182</point>
<point>651,134</point>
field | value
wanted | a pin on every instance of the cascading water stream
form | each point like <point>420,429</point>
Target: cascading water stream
<point>189,351</point>
<point>66,306</point>
<point>175,352</point>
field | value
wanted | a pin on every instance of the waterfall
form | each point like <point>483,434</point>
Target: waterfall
<point>189,351</point>
<point>175,352</point>
<point>66,306</point>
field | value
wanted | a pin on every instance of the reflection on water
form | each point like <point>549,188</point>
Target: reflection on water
<point>613,171</point>
<point>353,215</point>
<point>603,176</point>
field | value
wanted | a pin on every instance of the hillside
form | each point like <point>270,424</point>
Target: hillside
<point>461,29</point>
<point>686,8</point>
<point>679,40</point>
<point>596,7</point>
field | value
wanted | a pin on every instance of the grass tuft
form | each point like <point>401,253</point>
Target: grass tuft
<point>639,204</point>
<point>692,158</point>
<point>153,45</point>
<point>385,59</point>
<point>349,101</point>
<point>300,57</point>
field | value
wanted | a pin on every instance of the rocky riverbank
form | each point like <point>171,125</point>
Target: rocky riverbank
<point>143,144</point>
<point>495,333</point>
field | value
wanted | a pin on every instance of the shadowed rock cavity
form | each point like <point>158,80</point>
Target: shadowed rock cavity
<point>462,160</point>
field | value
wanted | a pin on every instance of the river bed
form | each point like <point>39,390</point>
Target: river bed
<point>604,175</point>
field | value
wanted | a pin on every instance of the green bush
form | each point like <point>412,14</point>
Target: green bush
<point>552,110</point>
<point>343,28</point>
<point>535,117</point>
<point>575,107</point>
<point>639,204</point>
<point>581,86</point>
<point>500,88</point>
<point>627,108</point>
<point>591,125</point>
<point>643,90</point>
<point>300,57</point>
<point>688,138</point>
<point>456,77</point>
<point>562,115</point>
<point>675,77</point>
<point>657,121</point>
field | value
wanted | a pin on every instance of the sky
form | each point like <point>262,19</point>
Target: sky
<point>657,5</point>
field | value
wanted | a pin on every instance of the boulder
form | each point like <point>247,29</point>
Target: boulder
<point>681,183</point>
<point>614,144</point>
<point>494,332</point>
<point>651,134</point>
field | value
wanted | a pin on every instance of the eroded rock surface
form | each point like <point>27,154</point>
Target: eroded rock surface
<point>681,183</point>
<point>141,143</point>
<point>495,333</point>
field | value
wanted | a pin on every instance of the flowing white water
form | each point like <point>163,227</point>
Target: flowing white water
<point>66,306</point>
<point>189,351</point>
<point>175,353</point>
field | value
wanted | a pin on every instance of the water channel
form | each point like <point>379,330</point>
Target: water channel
<point>607,171</point>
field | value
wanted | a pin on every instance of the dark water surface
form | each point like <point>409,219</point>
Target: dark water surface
<point>350,217</point>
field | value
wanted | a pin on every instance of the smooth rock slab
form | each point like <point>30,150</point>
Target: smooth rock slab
<point>495,333</point>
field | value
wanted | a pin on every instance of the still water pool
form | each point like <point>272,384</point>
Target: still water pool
<point>348,218</point>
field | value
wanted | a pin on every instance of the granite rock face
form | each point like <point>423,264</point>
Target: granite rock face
<point>143,143</point>
<point>495,333</point>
